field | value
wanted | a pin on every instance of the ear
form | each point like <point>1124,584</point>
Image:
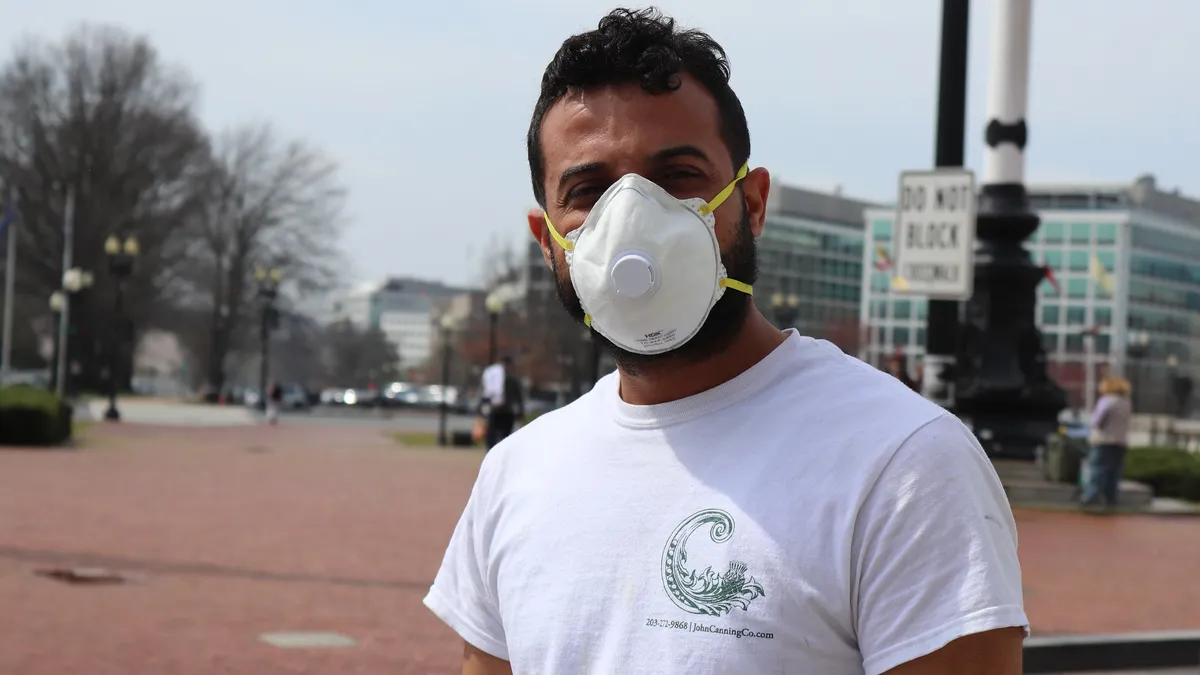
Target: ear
<point>540,232</point>
<point>757,187</point>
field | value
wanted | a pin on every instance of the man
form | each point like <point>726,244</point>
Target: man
<point>736,499</point>
<point>501,401</point>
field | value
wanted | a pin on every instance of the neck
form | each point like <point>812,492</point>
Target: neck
<point>671,381</point>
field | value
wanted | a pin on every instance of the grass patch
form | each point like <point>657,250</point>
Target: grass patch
<point>414,439</point>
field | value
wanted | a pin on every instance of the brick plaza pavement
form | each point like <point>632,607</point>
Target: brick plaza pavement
<point>227,534</point>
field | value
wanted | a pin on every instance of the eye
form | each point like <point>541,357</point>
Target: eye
<point>679,173</point>
<point>583,193</point>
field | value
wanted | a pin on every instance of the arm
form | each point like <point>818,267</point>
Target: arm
<point>937,580</point>
<point>1100,413</point>
<point>995,652</point>
<point>476,662</point>
<point>463,595</point>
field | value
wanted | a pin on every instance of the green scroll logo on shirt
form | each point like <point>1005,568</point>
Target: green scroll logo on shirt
<point>706,592</point>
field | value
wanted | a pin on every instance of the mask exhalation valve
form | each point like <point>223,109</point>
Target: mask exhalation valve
<point>633,274</point>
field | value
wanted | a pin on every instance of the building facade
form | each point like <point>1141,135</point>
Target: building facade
<point>403,309</point>
<point>1122,295</point>
<point>811,263</point>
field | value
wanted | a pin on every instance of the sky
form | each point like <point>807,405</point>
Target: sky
<point>425,105</point>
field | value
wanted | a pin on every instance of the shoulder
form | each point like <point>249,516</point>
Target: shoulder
<point>539,438</point>
<point>874,408</point>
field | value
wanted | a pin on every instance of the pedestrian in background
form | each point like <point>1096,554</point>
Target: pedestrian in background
<point>501,401</point>
<point>274,402</point>
<point>1109,441</point>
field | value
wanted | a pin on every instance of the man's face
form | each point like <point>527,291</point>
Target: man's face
<point>592,138</point>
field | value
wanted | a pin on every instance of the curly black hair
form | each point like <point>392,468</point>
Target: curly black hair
<point>646,47</point>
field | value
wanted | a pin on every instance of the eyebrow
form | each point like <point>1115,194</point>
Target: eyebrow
<point>578,169</point>
<point>679,151</point>
<point>659,156</point>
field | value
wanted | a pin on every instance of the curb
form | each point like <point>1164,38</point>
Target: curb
<point>1083,653</point>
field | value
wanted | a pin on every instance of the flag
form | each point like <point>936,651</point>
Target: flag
<point>1100,274</point>
<point>883,261</point>
<point>1052,279</point>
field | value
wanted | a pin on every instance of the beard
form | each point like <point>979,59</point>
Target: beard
<point>723,324</point>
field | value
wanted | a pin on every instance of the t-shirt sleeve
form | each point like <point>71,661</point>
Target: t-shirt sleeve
<point>935,550</point>
<point>462,594</point>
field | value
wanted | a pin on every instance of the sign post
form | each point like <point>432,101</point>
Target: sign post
<point>934,251</point>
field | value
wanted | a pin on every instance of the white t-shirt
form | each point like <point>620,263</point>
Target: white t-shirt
<point>812,515</point>
<point>493,384</point>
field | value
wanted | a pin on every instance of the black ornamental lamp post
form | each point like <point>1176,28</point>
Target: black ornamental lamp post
<point>1002,386</point>
<point>448,324</point>
<point>121,253</point>
<point>785,308</point>
<point>268,290</point>
<point>495,307</point>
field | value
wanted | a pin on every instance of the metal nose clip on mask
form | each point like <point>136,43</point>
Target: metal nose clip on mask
<point>647,266</point>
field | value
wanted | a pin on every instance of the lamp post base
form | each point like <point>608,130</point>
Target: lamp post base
<point>112,414</point>
<point>1003,389</point>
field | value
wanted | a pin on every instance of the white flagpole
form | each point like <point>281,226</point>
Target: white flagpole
<point>10,283</point>
<point>64,317</point>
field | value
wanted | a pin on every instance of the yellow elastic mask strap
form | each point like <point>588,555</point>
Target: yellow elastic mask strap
<point>562,241</point>
<point>724,194</point>
<point>737,286</point>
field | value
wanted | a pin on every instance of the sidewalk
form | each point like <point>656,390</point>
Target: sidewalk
<point>227,534</point>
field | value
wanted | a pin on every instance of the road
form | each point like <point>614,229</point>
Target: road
<point>420,421</point>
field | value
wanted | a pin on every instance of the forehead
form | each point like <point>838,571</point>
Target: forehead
<point>621,124</point>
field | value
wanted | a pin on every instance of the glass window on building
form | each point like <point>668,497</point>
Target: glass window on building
<point>879,282</point>
<point>1077,288</point>
<point>1102,315</point>
<point>920,337</point>
<point>902,309</point>
<point>1053,258</point>
<point>1106,233</point>
<point>1108,259</point>
<point>922,308</point>
<point>882,230</point>
<point>1081,233</point>
<point>1076,316</point>
<point>1103,344</point>
<point>1074,343</point>
<point>900,336</point>
<point>1050,315</point>
<point>1047,289</point>
<point>1079,261</point>
<point>1053,233</point>
<point>1050,342</point>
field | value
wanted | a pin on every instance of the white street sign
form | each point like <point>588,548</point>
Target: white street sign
<point>933,249</point>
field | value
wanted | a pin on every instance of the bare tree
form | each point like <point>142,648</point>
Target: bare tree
<point>101,114</point>
<point>269,204</point>
<point>356,357</point>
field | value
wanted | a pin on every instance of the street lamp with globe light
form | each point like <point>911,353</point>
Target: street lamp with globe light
<point>74,280</point>
<point>784,308</point>
<point>121,254</point>
<point>448,324</point>
<point>1137,346</point>
<point>268,289</point>
<point>494,304</point>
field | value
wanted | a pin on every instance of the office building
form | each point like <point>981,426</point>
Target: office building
<point>403,309</point>
<point>1123,294</point>
<point>811,262</point>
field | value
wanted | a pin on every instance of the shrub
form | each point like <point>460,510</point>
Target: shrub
<point>33,416</point>
<point>1171,472</point>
